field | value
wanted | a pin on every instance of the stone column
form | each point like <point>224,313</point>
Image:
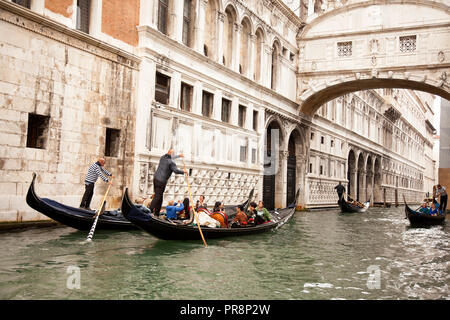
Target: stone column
<point>147,13</point>
<point>362,185</point>
<point>251,58</point>
<point>234,111</point>
<point>176,21</point>
<point>249,117</point>
<point>267,64</point>
<point>200,26</point>
<point>371,183</point>
<point>217,105</point>
<point>220,22</point>
<point>197,98</point>
<point>237,46</point>
<point>281,180</point>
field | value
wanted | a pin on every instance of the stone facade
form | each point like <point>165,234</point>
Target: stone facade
<point>213,80</point>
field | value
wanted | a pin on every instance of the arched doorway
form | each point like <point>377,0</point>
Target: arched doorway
<point>369,180</point>
<point>271,164</point>
<point>360,179</point>
<point>351,169</point>
<point>377,195</point>
<point>291,170</point>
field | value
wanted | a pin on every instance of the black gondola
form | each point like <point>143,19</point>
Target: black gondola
<point>77,218</point>
<point>82,219</point>
<point>351,208</point>
<point>170,230</point>
<point>418,219</point>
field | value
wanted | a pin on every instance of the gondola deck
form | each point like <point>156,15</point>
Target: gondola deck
<point>172,231</point>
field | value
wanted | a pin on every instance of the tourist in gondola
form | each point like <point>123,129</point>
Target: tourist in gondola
<point>442,193</point>
<point>262,214</point>
<point>240,219</point>
<point>185,213</point>
<point>165,168</point>
<point>219,214</point>
<point>251,213</point>
<point>172,209</point>
<point>95,170</point>
<point>424,208</point>
<point>201,204</point>
<point>434,211</point>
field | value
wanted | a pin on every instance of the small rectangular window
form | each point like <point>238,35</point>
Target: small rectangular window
<point>186,97</point>
<point>255,120</point>
<point>207,104</point>
<point>322,140</point>
<point>163,13</point>
<point>37,133</point>
<point>332,143</point>
<point>187,22</point>
<point>310,168</point>
<point>226,110</point>
<point>408,43</point>
<point>23,3</point>
<point>243,154</point>
<point>112,142</point>
<point>83,15</point>
<point>162,88</point>
<point>241,116</point>
<point>253,155</point>
<point>344,49</point>
<point>312,135</point>
<point>321,169</point>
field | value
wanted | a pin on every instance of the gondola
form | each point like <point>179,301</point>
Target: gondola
<point>174,230</point>
<point>351,208</point>
<point>82,219</point>
<point>77,218</point>
<point>419,219</point>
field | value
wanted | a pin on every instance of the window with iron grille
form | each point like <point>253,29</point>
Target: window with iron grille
<point>163,12</point>
<point>408,43</point>
<point>37,132</point>
<point>255,120</point>
<point>344,49</point>
<point>207,104</point>
<point>243,154</point>
<point>186,97</point>
<point>226,110</point>
<point>112,142</point>
<point>23,3</point>
<point>162,88</point>
<point>187,22</point>
<point>241,115</point>
<point>83,13</point>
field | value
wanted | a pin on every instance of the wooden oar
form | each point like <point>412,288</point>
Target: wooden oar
<point>100,210</point>
<point>348,194</point>
<point>193,207</point>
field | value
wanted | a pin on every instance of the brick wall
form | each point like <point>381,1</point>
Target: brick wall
<point>120,18</point>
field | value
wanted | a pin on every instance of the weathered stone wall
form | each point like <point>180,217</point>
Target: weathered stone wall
<point>83,88</point>
<point>120,19</point>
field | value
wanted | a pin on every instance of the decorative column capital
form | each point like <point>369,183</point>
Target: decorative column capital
<point>237,27</point>
<point>220,16</point>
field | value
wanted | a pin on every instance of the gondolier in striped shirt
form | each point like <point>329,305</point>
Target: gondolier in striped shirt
<point>95,170</point>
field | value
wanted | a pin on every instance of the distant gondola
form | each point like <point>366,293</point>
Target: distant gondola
<point>77,218</point>
<point>175,230</point>
<point>418,219</point>
<point>351,208</point>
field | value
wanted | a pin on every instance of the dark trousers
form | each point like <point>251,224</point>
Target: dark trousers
<point>157,201</point>
<point>443,204</point>
<point>339,196</point>
<point>87,196</point>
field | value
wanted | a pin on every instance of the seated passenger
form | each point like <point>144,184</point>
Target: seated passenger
<point>251,212</point>
<point>434,211</point>
<point>262,214</point>
<point>201,203</point>
<point>171,210</point>
<point>185,213</point>
<point>219,214</point>
<point>240,219</point>
<point>424,208</point>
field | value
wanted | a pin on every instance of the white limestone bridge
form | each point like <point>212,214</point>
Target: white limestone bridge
<point>359,45</point>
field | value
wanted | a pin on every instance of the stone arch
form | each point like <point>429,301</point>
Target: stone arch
<point>211,24</point>
<point>245,46</point>
<point>360,178</point>
<point>296,164</point>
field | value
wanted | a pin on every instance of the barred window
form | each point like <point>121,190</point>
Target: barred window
<point>241,116</point>
<point>186,97</point>
<point>23,3</point>
<point>243,154</point>
<point>163,12</point>
<point>344,49</point>
<point>207,104</point>
<point>83,13</point>
<point>408,43</point>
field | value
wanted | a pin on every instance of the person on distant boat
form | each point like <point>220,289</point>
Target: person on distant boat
<point>340,189</point>
<point>185,213</point>
<point>262,214</point>
<point>95,170</point>
<point>172,210</point>
<point>165,168</point>
<point>440,191</point>
<point>201,204</point>
<point>240,219</point>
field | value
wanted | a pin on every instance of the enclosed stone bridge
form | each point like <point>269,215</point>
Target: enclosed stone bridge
<point>357,45</point>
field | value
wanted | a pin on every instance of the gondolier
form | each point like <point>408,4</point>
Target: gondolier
<point>340,189</point>
<point>163,172</point>
<point>440,191</point>
<point>95,170</point>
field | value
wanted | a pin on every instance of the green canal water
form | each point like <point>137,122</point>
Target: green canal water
<point>316,255</point>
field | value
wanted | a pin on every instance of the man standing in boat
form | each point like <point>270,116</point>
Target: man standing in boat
<point>95,170</point>
<point>340,189</point>
<point>440,191</point>
<point>163,172</point>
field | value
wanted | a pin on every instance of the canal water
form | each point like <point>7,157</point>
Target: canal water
<point>316,255</point>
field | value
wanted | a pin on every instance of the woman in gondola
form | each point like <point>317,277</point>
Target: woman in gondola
<point>185,213</point>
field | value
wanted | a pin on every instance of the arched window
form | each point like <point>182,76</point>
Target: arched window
<point>258,55</point>
<point>188,22</point>
<point>210,32</point>
<point>228,36</point>
<point>245,46</point>
<point>274,70</point>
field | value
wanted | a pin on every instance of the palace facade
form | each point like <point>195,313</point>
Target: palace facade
<point>214,79</point>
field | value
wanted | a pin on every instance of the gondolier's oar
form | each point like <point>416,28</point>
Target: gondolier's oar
<point>348,194</point>
<point>193,207</point>
<point>100,210</point>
